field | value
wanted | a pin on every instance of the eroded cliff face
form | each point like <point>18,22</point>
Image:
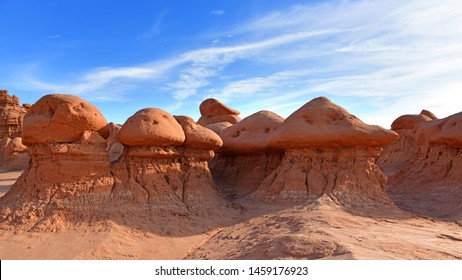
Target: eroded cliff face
<point>425,165</point>
<point>348,176</point>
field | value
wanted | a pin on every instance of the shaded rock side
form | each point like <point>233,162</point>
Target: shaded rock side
<point>348,176</point>
<point>245,159</point>
<point>425,166</point>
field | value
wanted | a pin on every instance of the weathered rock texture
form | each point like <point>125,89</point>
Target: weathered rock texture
<point>12,115</point>
<point>13,154</point>
<point>245,159</point>
<point>94,176</point>
<point>60,118</point>
<point>327,152</point>
<point>425,165</point>
<point>213,111</point>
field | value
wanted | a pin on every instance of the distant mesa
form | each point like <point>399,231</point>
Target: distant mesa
<point>213,111</point>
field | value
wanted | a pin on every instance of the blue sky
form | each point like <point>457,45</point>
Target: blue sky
<point>378,59</point>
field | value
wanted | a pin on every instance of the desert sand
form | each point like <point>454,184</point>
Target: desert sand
<point>320,184</point>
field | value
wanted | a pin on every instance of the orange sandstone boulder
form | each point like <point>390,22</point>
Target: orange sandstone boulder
<point>198,136</point>
<point>321,123</point>
<point>251,134</point>
<point>151,127</point>
<point>409,121</point>
<point>213,111</point>
<point>60,118</point>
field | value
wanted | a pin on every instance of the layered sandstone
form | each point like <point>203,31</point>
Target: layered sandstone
<point>13,154</point>
<point>213,111</point>
<point>152,165</point>
<point>425,165</point>
<point>327,152</point>
<point>245,158</point>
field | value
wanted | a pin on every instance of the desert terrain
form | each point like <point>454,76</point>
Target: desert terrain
<point>320,184</point>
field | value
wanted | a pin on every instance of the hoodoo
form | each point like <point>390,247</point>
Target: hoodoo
<point>245,158</point>
<point>85,169</point>
<point>425,165</point>
<point>327,151</point>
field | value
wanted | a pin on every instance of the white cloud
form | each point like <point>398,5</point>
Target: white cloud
<point>156,27</point>
<point>217,12</point>
<point>391,56</point>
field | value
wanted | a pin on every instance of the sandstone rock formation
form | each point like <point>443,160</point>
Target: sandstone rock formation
<point>245,159</point>
<point>11,115</point>
<point>424,166</point>
<point>213,111</point>
<point>327,152</point>
<point>83,168</point>
<point>13,154</point>
<point>60,118</point>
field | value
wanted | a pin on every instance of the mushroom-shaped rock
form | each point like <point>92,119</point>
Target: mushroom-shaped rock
<point>60,118</point>
<point>327,153</point>
<point>321,123</point>
<point>409,121</point>
<point>213,111</point>
<point>251,134</point>
<point>198,136</point>
<point>151,127</point>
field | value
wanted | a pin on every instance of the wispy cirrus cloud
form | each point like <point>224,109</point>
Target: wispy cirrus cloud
<point>156,27</point>
<point>380,58</point>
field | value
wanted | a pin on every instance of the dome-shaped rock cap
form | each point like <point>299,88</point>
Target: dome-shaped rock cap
<point>212,107</point>
<point>213,111</point>
<point>151,127</point>
<point>447,131</point>
<point>198,136</point>
<point>323,124</point>
<point>60,118</point>
<point>409,121</point>
<point>251,134</point>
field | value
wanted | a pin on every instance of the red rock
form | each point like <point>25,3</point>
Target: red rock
<point>151,127</point>
<point>60,118</point>
<point>213,111</point>
<point>425,166</point>
<point>409,121</point>
<point>198,136</point>
<point>218,127</point>
<point>251,134</point>
<point>321,123</point>
<point>11,120</point>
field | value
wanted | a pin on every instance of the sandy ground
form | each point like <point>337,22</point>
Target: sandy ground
<point>253,231</point>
